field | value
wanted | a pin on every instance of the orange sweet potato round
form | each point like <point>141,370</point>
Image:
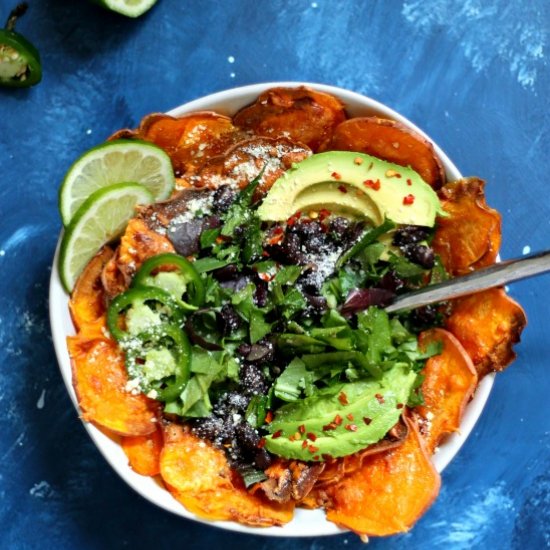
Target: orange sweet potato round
<point>487,324</point>
<point>99,380</point>
<point>199,476</point>
<point>469,238</point>
<point>301,114</point>
<point>450,380</point>
<point>389,493</point>
<point>189,140</point>
<point>143,452</point>
<point>392,141</point>
<point>87,303</point>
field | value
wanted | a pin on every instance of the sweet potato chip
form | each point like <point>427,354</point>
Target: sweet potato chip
<point>389,493</point>
<point>450,380</point>
<point>137,244</point>
<point>87,303</point>
<point>469,238</point>
<point>143,452</point>
<point>246,160</point>
<point>99,380</point>
<point>392,141</point>
<point>189,140</point>
<point>487,324</point>
<point>199,476</point>
<point>300,114</point>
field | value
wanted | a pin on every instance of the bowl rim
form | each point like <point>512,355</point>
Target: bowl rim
<point>305,522</point>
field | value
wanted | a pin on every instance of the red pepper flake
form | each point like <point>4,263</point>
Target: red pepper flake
<point>312,449</point>
<point>261,443</point>
<point>278,231</point>
<point>399,405</point>
<point>293,219</point>
<point>292,437</point>
<point>367,420</point>
<point>343,398</point>
<point>336,176</point>
<point>316,457</point>
<point>265,253</point>
<point>265,277</point>
<point>311,436</point>
<point>379,398</point>
<point>349,416</point>
<point>342,189</point>
<point>304,444</point>
<point>409,182</point>
<point>408,200</point>
<point>276,240</point>
<point>277,434</point>
<point>269,417</point>
<point>323,213</point>
<point>371,184</point>
<point>338,420</point>
<point>326,456</point>
<point>351,427</point>
<point>358,161</point>
<point>328,427</point>
<point>302,428</point>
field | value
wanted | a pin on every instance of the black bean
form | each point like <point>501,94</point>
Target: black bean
<point>231,320</point>
<point>420,254</point>
<point>410,234</point>
<point>223,198</point>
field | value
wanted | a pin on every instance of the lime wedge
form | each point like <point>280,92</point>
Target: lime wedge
<point>130,8</point>
<point>115,162</point>
<point>101,218</point>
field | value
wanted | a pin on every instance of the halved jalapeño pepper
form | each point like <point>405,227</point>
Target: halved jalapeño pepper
<point>140,309</point>
<point>146,360</point>
<point>174,274</point>
<point>19,59</point>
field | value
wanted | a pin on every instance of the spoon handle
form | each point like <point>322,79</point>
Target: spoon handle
<point>498,274</point>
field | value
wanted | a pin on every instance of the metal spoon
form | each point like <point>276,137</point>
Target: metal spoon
<point>496,275</point>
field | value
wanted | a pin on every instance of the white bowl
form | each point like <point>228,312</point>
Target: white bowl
<point>305,522</point>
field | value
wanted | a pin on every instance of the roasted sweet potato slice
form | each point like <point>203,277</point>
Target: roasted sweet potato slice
<point>99,380</point>
<point>487,324</point>
<point>336,469</point>
<point>246,160</point>
<point>469,238</point>
<point>87,300</point>
<point>300,114</point>
<point>392,141</point>
<point>138,243</point>
<point>143,452</point>
<point>189,140</point>
<point>389,493</point>
<point>199,476</point>
<point>450,380</point>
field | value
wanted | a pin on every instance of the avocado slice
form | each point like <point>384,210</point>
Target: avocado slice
<point>352,184</point>
<point>350,418</point>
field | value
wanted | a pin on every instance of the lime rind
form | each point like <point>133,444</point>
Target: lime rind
<point>101,218</point>
<point>130,8</point>
<point>115,162</point>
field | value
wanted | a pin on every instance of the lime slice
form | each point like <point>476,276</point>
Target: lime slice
<point>101,218</point>
<point>130,8</point>
<point>115,162</point>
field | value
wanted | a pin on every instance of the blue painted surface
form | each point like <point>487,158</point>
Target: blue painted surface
<point>473,74</point>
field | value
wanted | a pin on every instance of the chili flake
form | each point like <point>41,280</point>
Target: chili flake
<point>409,182</point>
<point>323,213</point>
<point>408,200</point>
<point>375,185</point>
<point>337,420</point>
<point>399,405</point>
<point>392,174</point>
<point>311,436</point>
<point>379,398</point>
<point>269,417</point>
<point>349,416</point>
<point>342,189</point>
<point>343,398</point>
<point>328,427</point>
<point>367,420</point>
<point>261,443</point>
<point>358,161</point>
<point>302,428</point>
<point>312,449</point>
<point>277,434</point>
<point>326,456</point>
<point>336,175</point>
<point>304,444</point>
<point>351,427</point>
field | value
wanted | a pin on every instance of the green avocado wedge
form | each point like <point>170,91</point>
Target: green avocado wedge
<point>355,184</point>
<point>355,416</point>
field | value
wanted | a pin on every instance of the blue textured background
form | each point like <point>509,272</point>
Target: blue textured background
<point>473,74</point>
